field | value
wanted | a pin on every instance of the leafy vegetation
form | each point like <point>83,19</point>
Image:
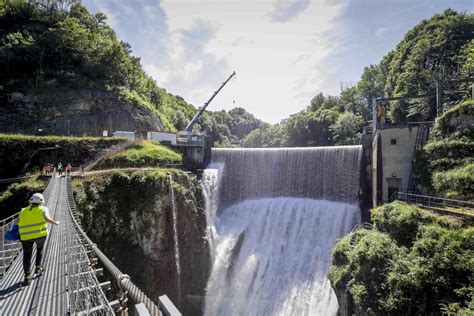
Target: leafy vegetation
<point>228,129</point>
<point>60,45</point>
<point>445,163</point>
<point>458,179</point>
<point>432,49</point>
<point>17,150</point>
<point>413,263</point>
<point>455,122</point>
<point>17,194</point>
<point>143,154</point>
<point>311,127</point>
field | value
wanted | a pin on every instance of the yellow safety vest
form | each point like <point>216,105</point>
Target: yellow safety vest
<point>32,223</point>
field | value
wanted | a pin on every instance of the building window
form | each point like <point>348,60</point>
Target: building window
<point>393,141</point>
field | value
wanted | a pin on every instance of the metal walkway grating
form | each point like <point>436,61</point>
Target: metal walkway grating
<point>48,294</point>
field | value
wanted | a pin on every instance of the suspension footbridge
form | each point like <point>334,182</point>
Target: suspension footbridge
<point>69,284</point>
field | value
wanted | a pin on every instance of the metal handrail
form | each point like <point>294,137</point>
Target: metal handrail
<point>105,153</point>
<point>8,249</point>
<point>8,180</point>
<point>365,225</point>
<point>8,255</point>
<point>123,280</point>
<point>353,236</point>
<point>434,201</point>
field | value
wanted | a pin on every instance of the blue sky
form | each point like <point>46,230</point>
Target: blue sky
<point>283,51</point>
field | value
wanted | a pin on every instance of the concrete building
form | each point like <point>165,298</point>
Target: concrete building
<point>197,148</point>
<point>162,137</point>
<point>393,149</point>
<point>398,147</point>
<point>125,134</point>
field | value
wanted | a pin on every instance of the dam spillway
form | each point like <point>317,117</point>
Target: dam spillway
<point>273,217</point>
<point>330,173</point>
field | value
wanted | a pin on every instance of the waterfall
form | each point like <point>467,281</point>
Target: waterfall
<point>175,236</point>
<point>330,173</point>
<point>210,185</point>
<point>273,218</point>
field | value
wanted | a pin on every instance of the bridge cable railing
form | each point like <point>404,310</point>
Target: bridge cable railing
<point>85,295</point>
<point>123,280</point>
<point>9,250</point>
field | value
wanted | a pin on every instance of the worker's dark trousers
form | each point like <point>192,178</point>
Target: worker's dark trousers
<point>28,249</point>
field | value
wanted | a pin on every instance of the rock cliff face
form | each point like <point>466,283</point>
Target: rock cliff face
<point>130,219</point>
<point>73,113</point>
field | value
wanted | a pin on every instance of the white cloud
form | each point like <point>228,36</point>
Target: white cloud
<point>285,10</point>
<point>279,66</point>
<point>380,32</point>
<point>191,46</point>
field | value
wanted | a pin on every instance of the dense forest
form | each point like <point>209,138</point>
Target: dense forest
<point>413,262</point>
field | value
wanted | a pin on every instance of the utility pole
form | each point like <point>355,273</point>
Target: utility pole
<point>374,114</point>
<point>439,97</point>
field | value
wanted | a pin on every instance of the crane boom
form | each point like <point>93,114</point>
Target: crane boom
<point>190,125</point>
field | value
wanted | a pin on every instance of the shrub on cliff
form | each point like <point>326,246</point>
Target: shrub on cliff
<point>438,270</point>
<point>448,153</point>
<point>129,216</point>
<point>371,260</point>
<point>17,194</point>
<point>444,163</point>
<point>144,154</point>
<point>457,121</point>
<point>413,263</point>
<point>401,221</point>
<point>460,180</point>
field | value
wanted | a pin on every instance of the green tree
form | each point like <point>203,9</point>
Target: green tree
<point>346,129</point>
<point>412,263</point>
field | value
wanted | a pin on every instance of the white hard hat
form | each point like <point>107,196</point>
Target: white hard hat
<point>37,198</point>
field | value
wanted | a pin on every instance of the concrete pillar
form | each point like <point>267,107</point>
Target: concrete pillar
<point>374,114</point>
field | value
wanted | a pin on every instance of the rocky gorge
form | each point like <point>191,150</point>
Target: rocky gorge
<point>130,217</point>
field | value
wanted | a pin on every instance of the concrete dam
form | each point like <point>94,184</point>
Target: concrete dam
<point>273,218</point>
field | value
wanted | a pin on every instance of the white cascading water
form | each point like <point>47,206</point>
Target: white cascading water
<point>271,227</point>
<point>175,236</point>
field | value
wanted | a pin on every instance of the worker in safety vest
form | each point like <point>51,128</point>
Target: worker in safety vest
<point>32,224</point>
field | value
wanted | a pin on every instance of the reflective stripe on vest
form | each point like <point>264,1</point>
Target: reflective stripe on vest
<point>32,224</point>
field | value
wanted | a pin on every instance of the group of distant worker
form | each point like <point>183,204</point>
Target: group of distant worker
<point>48,169</point>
